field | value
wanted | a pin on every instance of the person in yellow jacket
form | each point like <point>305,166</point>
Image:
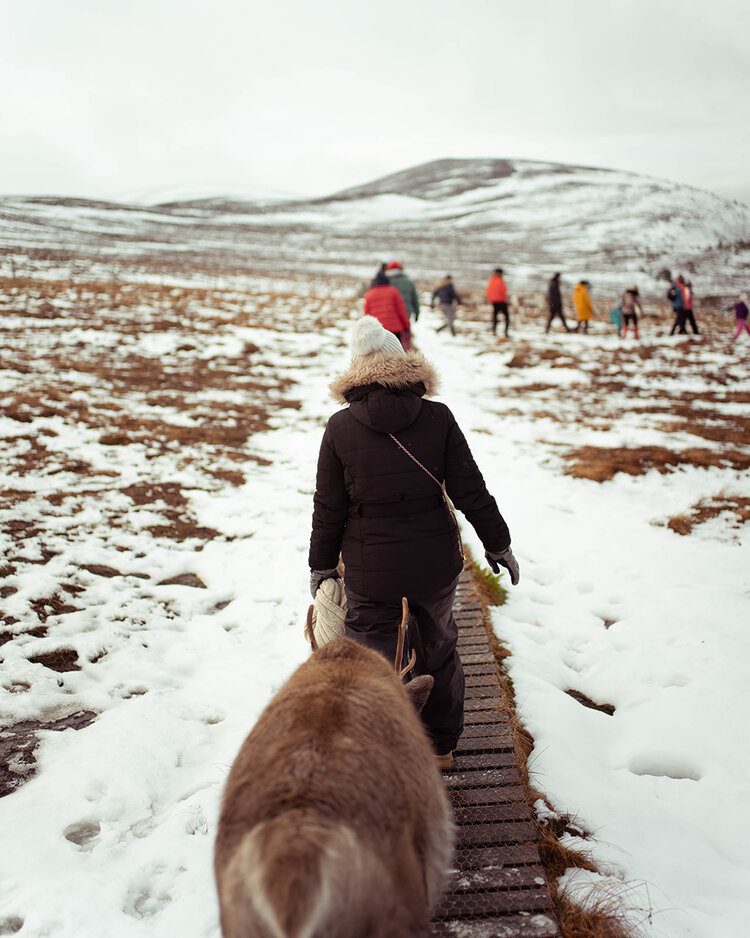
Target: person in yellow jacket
<point>582,303</point>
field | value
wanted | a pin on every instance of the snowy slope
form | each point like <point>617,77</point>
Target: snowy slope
<point>465,216</point>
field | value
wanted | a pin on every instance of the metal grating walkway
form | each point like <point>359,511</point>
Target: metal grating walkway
<point>498,888</point>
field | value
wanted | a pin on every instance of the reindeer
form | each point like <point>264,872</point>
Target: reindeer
<point>335,822</point>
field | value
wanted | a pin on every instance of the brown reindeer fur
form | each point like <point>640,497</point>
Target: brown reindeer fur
<point>335,822</point>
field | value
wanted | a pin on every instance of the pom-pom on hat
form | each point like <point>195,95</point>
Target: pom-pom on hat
<point>368,337</point>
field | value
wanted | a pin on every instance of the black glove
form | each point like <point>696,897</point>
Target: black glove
<point>317,577</point>
<point>504,558</point>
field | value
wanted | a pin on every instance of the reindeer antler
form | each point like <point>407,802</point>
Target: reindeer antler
<point>401,635</point>
<point>409,665</point>
<point>309,633</point>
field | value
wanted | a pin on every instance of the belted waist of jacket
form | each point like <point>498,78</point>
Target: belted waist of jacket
<point>405,506</point>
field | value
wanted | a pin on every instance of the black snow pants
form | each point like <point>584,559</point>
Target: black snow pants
<point>561,315</point>
<point>680,321</point>
<point>434,636</point>
<point>497,309</point>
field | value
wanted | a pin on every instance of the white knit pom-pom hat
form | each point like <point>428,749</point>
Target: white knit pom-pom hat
<point>368,337</point>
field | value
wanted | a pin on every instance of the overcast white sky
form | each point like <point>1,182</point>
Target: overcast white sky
<point>105,97</point>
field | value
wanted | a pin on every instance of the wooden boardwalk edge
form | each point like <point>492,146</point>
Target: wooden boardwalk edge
<point>498,888</point>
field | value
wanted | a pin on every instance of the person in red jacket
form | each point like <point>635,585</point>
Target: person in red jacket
<point>497,295</point>
<point>386,304</point>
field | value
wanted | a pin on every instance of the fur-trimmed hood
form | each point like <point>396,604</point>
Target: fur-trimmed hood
<point>398,373</point>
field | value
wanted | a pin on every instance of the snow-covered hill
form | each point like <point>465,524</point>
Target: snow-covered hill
<point>460,215</point>
<point>194,192</point>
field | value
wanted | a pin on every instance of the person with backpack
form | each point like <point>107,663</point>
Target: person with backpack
<point>676,297</point>
<point>555,303</point>
<point>386,304</point>
<point>630,304</point>
<point>397,278</point>
<point>582,303</point>
<point>389,463</point>
<point>497,296</point>
<point>740,310</point>
<point>445,294</point>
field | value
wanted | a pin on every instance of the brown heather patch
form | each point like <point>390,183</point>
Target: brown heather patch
<point>19,530</point>
<point>232,476</point>
<point>9,498</point>
<point>168,499</point>
<point>585,701</point>
<point>709,508</point>
<point>183,529</point>
<point>721,429</point>
<point>61,659</point>
<point>52,606</point>
<point>600,463</point>
<point>37,458</point>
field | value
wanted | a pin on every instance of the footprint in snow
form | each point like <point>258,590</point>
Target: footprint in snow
<point>82,833</point>
<point>11,925</point>
<point>141,902</point>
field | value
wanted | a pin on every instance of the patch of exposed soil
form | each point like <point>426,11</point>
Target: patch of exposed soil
<point>61,659</point>
<point>52,606</point>
<point>184,579</point>
<point>18,743</point>
<point>709,508</point>
<point>588,702</point>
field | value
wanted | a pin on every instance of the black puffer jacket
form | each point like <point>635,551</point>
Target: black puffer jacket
<point>554,297</point>
<point>378,507</point>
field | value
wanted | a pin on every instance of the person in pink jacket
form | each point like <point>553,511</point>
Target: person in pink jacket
<point>386,304</point>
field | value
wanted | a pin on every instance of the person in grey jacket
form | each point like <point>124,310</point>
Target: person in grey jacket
<point>398,279</point>
<point>445,294</point>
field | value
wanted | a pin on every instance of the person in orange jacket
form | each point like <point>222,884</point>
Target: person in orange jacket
<point>386,304</point>
<point>582,303</point>
<point>497,295</point>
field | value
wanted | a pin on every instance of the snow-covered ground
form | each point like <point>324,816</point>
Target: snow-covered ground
<point>113,835</point>
<point>618,607</point>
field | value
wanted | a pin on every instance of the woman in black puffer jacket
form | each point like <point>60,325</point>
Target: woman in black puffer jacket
<point>379,501</point>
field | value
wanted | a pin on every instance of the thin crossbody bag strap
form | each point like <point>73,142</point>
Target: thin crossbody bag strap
<point>440,485</point>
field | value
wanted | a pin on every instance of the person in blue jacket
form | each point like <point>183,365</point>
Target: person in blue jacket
<point>676,297</point>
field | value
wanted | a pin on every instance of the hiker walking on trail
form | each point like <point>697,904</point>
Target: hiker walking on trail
<point>630,304</point>
<point>386,304</point>
<point>676,297</point>
<point>445,294</point>
<point>398,279</point>
<point>497,296</point>
<point>689,300</point>
<point>386,462</point>
<point>739,307</point>
<point>582,303</point>
<point>555,303</point>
